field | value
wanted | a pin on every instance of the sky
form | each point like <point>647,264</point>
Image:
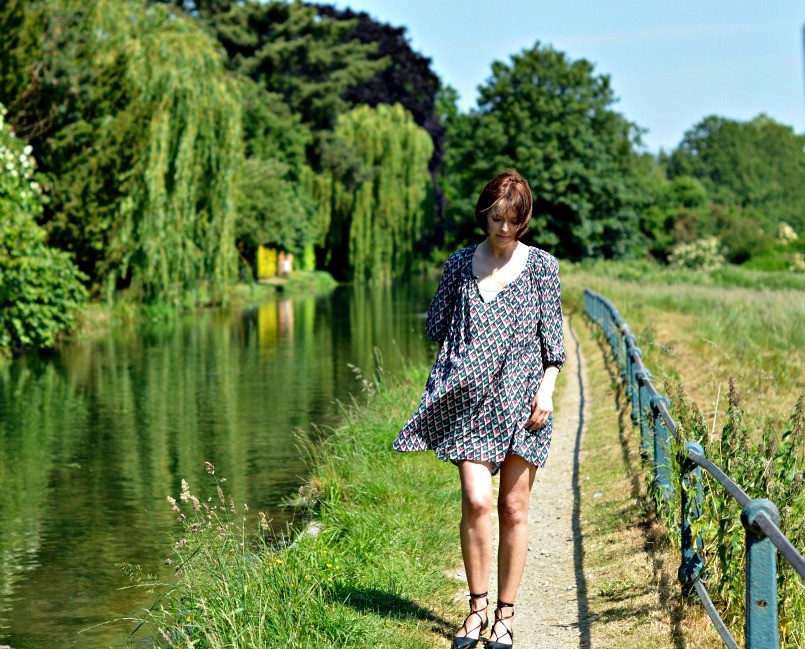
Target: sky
<point>671,62</point>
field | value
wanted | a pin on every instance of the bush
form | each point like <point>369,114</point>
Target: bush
<point>40,288</point>
<point>703,254</point>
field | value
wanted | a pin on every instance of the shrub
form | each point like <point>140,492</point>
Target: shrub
<point>40,288</point>
<point>702,254</point>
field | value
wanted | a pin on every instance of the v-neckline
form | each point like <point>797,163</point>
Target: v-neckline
<point>474,277</point>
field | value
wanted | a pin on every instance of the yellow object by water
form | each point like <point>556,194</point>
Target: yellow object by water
<point>267,259</point>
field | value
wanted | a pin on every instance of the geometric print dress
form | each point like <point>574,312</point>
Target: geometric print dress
<point>478,395</point>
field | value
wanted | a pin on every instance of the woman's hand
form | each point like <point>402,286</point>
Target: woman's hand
<point>541,409</point>
<point>542,405</point>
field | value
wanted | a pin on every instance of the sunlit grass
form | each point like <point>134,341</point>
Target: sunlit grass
<point>372,575</point>
<point>700,335</point>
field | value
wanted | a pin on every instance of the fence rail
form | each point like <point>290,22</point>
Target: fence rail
<point>760,517</point>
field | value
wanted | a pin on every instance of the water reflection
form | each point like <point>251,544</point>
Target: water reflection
<point>93,438</point>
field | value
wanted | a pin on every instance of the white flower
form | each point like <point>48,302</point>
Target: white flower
<point>28,150</point>
<point>786,233</point>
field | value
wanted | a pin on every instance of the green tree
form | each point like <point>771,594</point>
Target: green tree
<point>289,49</point>
<point>757,164</point>
<point>376,221</point>
<point>273,203</point>
<point>551,119</point>
<point>40,288</point>
<point>142,159</point>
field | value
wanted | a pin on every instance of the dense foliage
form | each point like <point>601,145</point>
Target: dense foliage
<point>40,287</point>
<point>259,123</point>
<point>551,119</point>
<point>757,164</point>
<point>375,224</point>
<point>141,159</point>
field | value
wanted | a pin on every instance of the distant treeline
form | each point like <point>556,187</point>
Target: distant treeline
<point>171,139</point>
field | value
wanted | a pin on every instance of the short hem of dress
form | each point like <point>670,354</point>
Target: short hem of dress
<point>455,460</point>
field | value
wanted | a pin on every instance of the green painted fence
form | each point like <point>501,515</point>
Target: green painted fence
<point>759,517</point>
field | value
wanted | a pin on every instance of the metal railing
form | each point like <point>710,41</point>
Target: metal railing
<point>759,517</point>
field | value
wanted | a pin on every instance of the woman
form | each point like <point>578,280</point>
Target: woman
<point>488,400</point>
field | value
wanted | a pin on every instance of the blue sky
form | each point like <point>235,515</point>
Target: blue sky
<point>671,62</point>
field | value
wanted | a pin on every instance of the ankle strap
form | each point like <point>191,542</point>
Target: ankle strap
<point>479,595</point>
<point>501,605</point>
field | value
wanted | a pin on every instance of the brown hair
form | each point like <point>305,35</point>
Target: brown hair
<point>506,192</point>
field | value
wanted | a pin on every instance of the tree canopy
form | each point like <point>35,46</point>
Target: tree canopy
<point>551,118</point>
<point>141,179</point>
<point>375,224</point>
<point>757,164</point>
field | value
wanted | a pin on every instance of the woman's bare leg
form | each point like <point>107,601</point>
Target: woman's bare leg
<point>476,534</point>
<point>516,480</point>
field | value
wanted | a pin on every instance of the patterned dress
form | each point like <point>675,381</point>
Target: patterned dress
<point>478,395</point>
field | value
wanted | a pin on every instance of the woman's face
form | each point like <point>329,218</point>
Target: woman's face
<point>501,228</point>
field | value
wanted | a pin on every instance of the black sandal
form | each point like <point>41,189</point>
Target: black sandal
<point>464,642</point>
<point>494,644</point>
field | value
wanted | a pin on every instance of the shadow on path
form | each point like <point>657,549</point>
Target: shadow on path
<point>578,545</point>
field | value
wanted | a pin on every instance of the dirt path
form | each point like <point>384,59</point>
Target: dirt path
<point>553,598</point>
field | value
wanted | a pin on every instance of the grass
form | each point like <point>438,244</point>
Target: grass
<point>706,344</point>
<point>701,335</point>
<point>374,574</point>
<point>630,562</point>
<point>98,318</point>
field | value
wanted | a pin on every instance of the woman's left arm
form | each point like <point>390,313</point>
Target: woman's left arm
<point>552,338</point>
<point>552,342</point>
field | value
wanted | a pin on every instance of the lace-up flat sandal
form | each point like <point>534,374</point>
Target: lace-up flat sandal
<point>499,617</point>
<point>464,642</point>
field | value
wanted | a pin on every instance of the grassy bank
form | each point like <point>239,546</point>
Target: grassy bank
<point>702,328</point>
<point>630,562</point>
<point>695,338</point>
<point>373,575</point>
<point>97,318</point>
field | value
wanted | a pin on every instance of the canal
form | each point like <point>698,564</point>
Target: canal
<point>95,436</point>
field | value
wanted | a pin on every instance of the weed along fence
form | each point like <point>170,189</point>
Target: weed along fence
<point>659,438</point>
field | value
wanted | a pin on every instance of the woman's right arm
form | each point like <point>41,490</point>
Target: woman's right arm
<point>443,302</point>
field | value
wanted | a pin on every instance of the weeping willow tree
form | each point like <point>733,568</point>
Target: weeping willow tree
<point>376,215</point>
<point>139,126</point>
<point>176,226</point>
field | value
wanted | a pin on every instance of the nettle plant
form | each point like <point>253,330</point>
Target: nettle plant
<point>765,464</point>
<point>40,287</point>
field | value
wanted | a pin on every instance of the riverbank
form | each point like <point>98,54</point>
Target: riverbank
<point>373,572</point>
<point>97,318</point>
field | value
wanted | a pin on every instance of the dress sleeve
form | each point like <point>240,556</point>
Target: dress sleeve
<point>550,326</point>
<point>443,302</point>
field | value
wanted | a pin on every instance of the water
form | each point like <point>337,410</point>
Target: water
<point>94,437</point>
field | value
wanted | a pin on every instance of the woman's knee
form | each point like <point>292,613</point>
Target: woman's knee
<point>478,502</point>
<point>513,511</point>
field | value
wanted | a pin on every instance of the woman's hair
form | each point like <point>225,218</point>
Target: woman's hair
<point>506,193</point>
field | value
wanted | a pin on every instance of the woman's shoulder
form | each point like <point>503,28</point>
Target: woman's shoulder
<point>460,257</point>
<point>543,259</point>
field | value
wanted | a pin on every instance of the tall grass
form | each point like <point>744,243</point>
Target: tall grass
<point>701,335</point>
<point>765,464</point>
<point>707,337</point>
<point>371,573</point>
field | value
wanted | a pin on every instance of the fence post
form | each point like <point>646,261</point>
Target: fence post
<point>643,403</point>
<point>761,578</point>
<point>692,562</point>
<point>629,342</point>
<point>633,386</point>
<point>662,445</point>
